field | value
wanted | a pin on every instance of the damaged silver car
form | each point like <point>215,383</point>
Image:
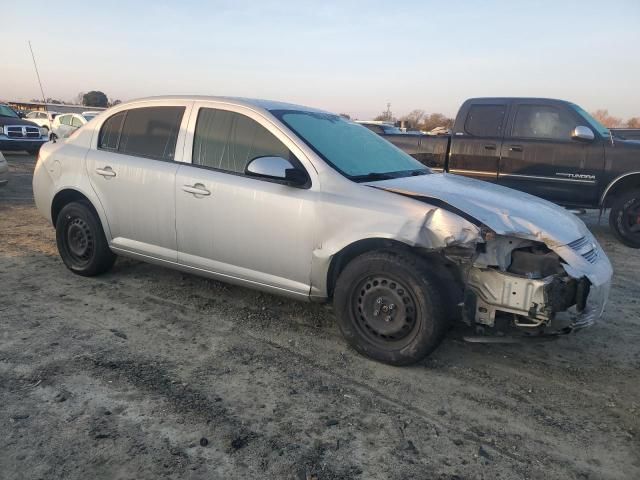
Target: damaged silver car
<point>304,203</point>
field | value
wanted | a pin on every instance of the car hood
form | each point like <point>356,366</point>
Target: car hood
<point>503,210</point>
<point>15,121</point>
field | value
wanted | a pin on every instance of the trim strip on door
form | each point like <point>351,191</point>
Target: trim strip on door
<point>552,179</point>
<point>482,173</point>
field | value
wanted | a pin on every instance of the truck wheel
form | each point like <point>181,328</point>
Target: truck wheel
<point>624,218</point>
<point>81,241</point>
<point>388,307</point>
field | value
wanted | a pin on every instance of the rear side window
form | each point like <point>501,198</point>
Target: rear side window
<point>151,132</point>
<point>228,141</point>
<point>75,122</point>
<point>110,131</point>
<point>542,121</point>
<point>485,120</point>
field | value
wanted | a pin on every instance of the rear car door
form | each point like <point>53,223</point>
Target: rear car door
<point>133,169</point>
<point>239,226</point>
<point>476,144</point>
<point>540,157</point>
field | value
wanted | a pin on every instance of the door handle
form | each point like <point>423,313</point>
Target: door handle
<point>490,146</point>
<point>106,172</point>
<point>515,148</point>
<point>197,189</point>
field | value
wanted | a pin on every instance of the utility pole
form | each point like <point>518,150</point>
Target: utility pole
<point>387,114</point>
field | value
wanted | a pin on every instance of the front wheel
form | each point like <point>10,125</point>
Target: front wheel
<point>388,307</point>
<point>81,240</point>
<point>624,218</point>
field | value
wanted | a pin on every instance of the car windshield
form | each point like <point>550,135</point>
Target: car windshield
<point>351,149</point>
<point>593,123</point>
<point>7,112</point>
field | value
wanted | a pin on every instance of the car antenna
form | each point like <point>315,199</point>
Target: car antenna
<point>46,109</point>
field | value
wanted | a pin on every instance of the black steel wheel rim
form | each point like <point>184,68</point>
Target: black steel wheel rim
<point>631,215</point>
<point>79,240</point>
<point>385,311</point>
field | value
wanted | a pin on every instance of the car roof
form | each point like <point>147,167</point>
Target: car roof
<point>255,103</point>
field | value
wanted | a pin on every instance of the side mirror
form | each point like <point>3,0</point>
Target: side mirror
<point>277,169</point>
<point>584,134</point>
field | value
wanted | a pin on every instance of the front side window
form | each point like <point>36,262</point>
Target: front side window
<point>144,132</point>
<point>485,120</point>
<point>29,115</point>
<point>542,121</point>
<point>352,149</point>
<point>228,141</point>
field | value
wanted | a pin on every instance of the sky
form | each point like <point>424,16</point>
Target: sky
<point>343,56</point>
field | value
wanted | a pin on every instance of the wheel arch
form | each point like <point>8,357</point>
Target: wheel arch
<point>619,185</point>
<point>441,266</point>
<point>68,195</point>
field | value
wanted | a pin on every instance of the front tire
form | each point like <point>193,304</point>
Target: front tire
<point>624,218</point>
<point>81,241</point>
<point>389,308</point>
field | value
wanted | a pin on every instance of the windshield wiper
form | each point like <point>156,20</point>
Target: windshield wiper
<point>372,176</point>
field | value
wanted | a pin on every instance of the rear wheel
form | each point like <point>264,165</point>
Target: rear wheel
<point>81,240</point>
<point>624,218</point>
<point>388,307</point>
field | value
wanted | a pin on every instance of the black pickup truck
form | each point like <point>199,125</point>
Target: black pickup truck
<point>549,148</point>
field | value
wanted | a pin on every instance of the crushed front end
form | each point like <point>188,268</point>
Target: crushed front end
<point>535,288</point>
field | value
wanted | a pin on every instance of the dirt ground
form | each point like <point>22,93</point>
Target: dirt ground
<point>148,373</point>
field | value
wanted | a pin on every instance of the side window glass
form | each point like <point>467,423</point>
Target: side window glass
<point>151,132</point>
<point>542,121</point>
<point>75,122</point>
<point>110,131</point>
<point>485,120</point>
<point>228,141</point>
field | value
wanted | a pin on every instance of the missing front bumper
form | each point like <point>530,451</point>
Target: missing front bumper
<point>532,304</point>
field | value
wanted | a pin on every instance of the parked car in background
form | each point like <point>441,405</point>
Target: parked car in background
<point>305,203</point>
<point>19,134</point>
<point>43,119</point>
<point>66,123</point>
<point>381,128</point>
<point>4,171</point>
<point>549,148</point>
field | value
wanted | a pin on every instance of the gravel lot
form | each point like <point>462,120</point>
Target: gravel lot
<point>150,373</point>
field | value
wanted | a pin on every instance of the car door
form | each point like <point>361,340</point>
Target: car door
<point>540,157</point>
<point>132,170</point>
<point>475,146</point>
<point>256,231</point>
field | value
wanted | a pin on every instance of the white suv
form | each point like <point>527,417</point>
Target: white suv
<point>42,119</point>
<point>304,203</point>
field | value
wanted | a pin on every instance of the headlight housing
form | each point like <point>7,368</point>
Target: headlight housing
<point>44,132</point>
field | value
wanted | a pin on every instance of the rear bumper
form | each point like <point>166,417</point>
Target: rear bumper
<point>4,171</point>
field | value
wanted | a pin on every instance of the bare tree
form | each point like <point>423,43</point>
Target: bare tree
<point>436,120</point>
<point>633,122</point>
<point>414,118</point>
<point>607,120</point>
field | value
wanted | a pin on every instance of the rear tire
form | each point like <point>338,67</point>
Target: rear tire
<point>81,241</point>
<point>389,308</point>
<point>624,218</point>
